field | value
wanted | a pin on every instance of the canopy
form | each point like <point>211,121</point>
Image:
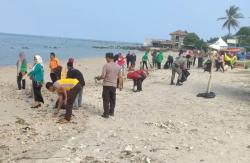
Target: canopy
<point>219,44</point>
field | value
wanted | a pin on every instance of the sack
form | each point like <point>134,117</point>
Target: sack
<point>184,75</point>
<point>166,66</point>
<point>207,66</point>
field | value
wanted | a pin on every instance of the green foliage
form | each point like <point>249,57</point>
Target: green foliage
<point>212,40</point>
<point>244,36</point>
<point>231,18</point>
<point>193,40</point>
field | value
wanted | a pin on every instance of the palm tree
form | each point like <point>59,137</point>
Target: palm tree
<point>232,16</point>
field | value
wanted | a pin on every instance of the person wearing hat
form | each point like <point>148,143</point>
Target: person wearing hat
<point>179,64</point>
<point>76,74</point>
<point>110,73</point>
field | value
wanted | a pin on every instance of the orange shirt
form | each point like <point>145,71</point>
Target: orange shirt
<point>54,63</point>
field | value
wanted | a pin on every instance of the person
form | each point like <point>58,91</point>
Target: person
<point>55,69</point>
<point>133,59</point>
<point>154,53</point>
<point>196,52</point>
<point>170,60</point>
<point>179,64</point>
<point>67,90</point>
<point>110,73</point>
<point>128,59</point>
<point>220,62</point>
<point>145,60</point>
<point>76,74</point>
<point>21,71</point>
<point>138,77</point>
<point>189,56</point>
<point>159,59</point>
<point>37,77</point>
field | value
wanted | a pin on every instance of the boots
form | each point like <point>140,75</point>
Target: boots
<point>178,83</point>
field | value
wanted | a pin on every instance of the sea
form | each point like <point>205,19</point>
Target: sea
<point>12,44</point>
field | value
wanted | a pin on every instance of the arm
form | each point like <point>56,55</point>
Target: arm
<point>64,91</point>
<point>103,74</point>
<point>60,100</point>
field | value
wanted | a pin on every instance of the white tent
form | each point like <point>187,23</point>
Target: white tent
<point>219,44</point>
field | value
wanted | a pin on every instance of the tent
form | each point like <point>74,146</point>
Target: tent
<point>219,44</point>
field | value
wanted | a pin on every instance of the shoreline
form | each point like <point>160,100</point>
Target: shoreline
<point>162,123</point>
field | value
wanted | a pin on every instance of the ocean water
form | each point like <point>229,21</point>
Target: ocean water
<point>11,45</point>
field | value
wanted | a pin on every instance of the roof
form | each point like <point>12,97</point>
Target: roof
<point>179,33</point>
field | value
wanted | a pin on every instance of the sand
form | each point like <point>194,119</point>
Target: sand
<point>162,124</point>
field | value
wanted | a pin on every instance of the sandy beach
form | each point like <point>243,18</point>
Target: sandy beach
<point>161,124</point>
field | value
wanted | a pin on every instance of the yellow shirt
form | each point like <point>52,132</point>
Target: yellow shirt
<point>68,84</point>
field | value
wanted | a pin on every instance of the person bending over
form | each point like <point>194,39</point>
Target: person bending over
<point>67,90</point>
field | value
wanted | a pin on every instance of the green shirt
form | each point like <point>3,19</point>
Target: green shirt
<point>159,57</point>
<point>145,57</point>
<point>37,73</point>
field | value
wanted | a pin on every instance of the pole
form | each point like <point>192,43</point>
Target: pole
<point>211,74</point>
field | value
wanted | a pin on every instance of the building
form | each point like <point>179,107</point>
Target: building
<point>176,41</point>
<point>177,38</point>
<point>158,43</point>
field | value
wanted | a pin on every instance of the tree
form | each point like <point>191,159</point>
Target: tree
<point>232,16</point>
<point>244,36</point>
<point>193,40</point>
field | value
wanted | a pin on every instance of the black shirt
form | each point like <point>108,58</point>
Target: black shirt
<point>76,74</point>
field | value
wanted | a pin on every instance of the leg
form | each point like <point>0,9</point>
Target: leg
<point>106,100</point>
<point>146,65</point>
<point>37,93</point>
<point>76,104</point>
<point>80,98</point>
<point>112,101</point>
<point>23,83</point>
<point>70,101</point>
<point>173,74</point>
<point>135,84</point>
<point>19,79</point>
<point>179,72</point>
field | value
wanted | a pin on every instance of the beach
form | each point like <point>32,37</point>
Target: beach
<point>163,123</point>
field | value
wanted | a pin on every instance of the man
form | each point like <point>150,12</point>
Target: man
<point>110,73</point>
<point>76,74</point>
<point>133,59</point>
<point>179,64</point>
<point>67,90</point>
<point>153,54</point>
<point>55,69</point>
<point>128,59</point>
<point>145,60</point>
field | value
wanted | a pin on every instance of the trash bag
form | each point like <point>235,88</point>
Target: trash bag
<point>166,66</point>
<point>184,75</point>
<point>207,95</point>
<point>207,66</point>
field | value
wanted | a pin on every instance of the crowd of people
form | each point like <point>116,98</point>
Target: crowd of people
<point>68,83</point>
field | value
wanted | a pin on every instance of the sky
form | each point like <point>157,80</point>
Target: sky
<point>117,20</point>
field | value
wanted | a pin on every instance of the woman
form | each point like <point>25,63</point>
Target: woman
<point>21,71</point>
<point>37,77</point>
